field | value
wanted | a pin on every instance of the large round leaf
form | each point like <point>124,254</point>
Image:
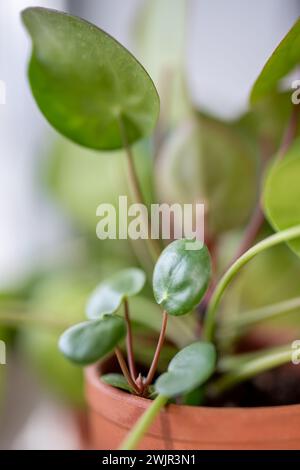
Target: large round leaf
<point>89,341</point>
<point>282,193</point>
<point>285,57</point>
<point>108,296</point>
<point>190,368</point>
<point>86,83</point>
<point>181,277</point>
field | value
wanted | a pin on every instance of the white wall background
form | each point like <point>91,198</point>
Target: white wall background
<point>26,223</point>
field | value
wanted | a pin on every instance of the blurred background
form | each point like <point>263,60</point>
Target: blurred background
<point>50,257</point>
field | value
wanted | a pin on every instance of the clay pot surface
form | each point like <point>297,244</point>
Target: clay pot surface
<point>112,413</point>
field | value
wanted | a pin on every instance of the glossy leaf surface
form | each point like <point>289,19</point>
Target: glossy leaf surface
<point>108,296</point>
<point>190,368</point>
<point>89,341</point>
<point>88,86</point>
<point>181,277</point>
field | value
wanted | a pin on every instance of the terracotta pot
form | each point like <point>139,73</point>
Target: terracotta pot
<point>112,413</point>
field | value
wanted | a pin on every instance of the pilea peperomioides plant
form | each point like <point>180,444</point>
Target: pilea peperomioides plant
<point>94,92</point>
<point>174,289</point>
<point>180,280</point>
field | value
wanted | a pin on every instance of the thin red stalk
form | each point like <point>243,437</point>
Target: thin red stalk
<point>125,370</point>
<point>129,342</point>
<point>159,346</point>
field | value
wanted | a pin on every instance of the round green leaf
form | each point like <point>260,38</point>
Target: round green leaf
<point>282,193</point>
<point>89,341</point>
<point>181,277</point>
<point>190,368</point>
<point>86,83</point>
<point>285,57</point>
<point>108,296</point>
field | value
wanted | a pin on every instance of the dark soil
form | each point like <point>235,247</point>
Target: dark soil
<point>280,386</point>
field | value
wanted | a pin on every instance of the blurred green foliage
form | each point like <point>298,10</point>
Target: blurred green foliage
<point>271,277</point>
<point>197,158</point>
<point>81,179</point>
<point>282,192</point>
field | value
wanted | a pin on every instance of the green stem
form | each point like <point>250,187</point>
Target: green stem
<point>144,422</point>
<point>210,319</point>
<point>152,244</point>
<point>234,361</point>
<point>247,369</point>
<point>252,317</point>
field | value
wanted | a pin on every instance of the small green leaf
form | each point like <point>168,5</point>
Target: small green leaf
<point>189,369</point>
<point>86,83</point>
<point>283,60</point>
<point>282,193</point>
<point>181,277</point>
<point>89,341</point>
<point>117,381</point>
<point>108,296</point>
